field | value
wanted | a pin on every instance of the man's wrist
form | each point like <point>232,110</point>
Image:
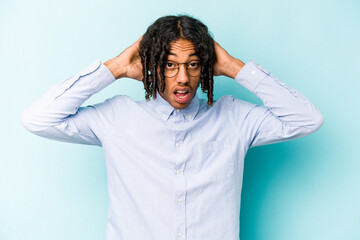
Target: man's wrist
<point>235,67</point>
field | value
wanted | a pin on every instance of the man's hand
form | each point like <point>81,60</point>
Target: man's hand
<point>127,64</point>
<point>226,64</point>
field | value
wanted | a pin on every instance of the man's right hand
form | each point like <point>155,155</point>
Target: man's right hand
<point>127,64</point>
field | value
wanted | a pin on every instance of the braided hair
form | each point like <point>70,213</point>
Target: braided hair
<point>155,48</point>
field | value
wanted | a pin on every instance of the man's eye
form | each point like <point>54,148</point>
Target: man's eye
<point>170,65</point>
<point>194,65</point>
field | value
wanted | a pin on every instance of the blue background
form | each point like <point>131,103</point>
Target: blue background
<point>303,189</point>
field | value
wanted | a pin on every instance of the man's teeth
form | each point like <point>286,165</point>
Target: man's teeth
<point>183,94</point>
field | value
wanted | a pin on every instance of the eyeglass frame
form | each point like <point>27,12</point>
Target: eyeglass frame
<point>186,67</point>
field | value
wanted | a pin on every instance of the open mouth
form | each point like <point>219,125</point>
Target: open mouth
<point>182,96</point>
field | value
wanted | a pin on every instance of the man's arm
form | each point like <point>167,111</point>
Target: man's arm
<point>286,113</point>
<point>127,64</point>
<point>58,115</point>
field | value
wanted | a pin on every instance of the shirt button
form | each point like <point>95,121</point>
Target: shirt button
<point>253,72</point>
<point>98,74</point>
<point>177,172</point>
<point>177,144</point>
<point>178,110</point>
<point>179,234</point>
<point>190,116</point>
<point>179,200</point>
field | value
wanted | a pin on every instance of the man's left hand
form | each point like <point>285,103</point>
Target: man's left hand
<point>226,64</point>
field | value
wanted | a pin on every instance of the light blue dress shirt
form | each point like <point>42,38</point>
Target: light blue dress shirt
<point>173,174</point>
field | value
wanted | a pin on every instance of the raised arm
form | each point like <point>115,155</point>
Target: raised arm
<point>127,64</point>
<point>286,113</point>
<point>57,114</point>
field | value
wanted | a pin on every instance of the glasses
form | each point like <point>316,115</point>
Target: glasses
<point>171,68</point>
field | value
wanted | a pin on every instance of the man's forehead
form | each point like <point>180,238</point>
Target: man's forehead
<point>182,45</point>
<point>191,54</point>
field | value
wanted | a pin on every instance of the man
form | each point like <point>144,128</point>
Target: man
<point>174,162</point>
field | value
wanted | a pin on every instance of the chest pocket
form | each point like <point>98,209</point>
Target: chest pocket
<point>212,161</point>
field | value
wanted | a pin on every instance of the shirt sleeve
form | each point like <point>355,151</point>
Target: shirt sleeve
<point>57,114</point>
<point>286,113</point>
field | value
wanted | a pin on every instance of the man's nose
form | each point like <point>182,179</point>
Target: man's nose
<point>182,76</point>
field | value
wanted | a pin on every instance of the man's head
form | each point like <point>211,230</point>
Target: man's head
<point>172,40</point>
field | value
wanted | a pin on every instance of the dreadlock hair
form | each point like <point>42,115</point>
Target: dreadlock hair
<point>155,48</point>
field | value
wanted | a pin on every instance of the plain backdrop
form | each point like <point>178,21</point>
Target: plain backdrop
<point>307,188</point>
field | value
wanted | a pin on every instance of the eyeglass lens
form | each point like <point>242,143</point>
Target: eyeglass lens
<point>171,69</point>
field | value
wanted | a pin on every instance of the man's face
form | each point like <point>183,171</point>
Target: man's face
<point>181,88</point>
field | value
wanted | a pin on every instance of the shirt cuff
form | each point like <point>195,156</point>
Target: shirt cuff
<point>251,75</point>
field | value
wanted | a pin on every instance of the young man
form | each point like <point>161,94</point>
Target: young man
<point>174,162</point>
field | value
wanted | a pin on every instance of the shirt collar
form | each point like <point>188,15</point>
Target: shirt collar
<point>164,109</point>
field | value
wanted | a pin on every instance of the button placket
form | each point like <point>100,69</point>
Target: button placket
<point>180,187</point>
<point>179,208</point>
<point>179,137</point>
